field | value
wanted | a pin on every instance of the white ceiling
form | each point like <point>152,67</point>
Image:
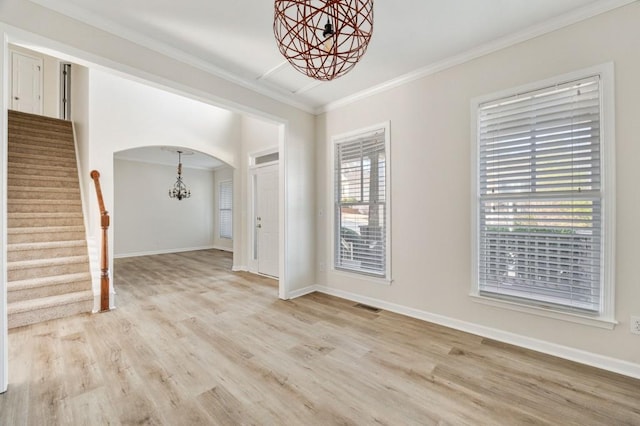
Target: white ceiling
<point>234,39</point>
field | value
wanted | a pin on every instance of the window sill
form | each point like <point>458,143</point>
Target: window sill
<point>600,322</point>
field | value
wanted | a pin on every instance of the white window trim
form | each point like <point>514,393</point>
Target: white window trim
<point>606,318</point>
<point>345,137</point>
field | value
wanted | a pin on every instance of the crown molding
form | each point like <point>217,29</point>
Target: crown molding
<point>551,25</point>
<point>126,33</point>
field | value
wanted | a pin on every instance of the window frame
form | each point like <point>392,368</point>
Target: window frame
<point>605,318</point>
<point>348,137</point>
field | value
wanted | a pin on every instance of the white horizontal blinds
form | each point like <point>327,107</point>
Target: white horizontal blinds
<point>226,212</point>
<point>361,205</point>
<point>540,201</point>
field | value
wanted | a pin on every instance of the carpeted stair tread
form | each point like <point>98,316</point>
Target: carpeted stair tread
<point>54,142</point>
<point>40,229</point>
<point>30,119</point>
<point>48,202</point>
<point>14,286</point>
<point>31,234</point>
<point>47,267</point>
<point>54,154</point>
<point>40,170</point>
<point>37,263</point>
<point>71,181</point>
<point>21,157</point>
<point>36,192</point>
<point>49,302</point>
<point>45,245</point>
<point>45,249</point>
<point>43,215</point>
<point>44,138</point>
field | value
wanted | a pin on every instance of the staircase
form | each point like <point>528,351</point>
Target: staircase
<point>47,263</point>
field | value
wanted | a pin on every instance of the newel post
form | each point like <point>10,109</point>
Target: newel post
<point>104,252</point>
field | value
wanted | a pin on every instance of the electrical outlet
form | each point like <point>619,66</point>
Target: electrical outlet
<point>635,325</point>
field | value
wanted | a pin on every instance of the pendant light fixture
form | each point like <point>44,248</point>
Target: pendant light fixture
<point>323,39</point>
<point>179,190</point>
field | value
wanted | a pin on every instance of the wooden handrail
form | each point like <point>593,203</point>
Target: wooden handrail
<point>104,253</point>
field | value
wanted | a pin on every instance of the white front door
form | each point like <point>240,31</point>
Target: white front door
<point>26,83</point>
<point>266,220</point>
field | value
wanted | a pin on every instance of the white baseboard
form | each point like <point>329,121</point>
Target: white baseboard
<point>239,268</point>
<point>583,357</point>
<point>301,292</point>
<point>165,251</point>
<point>227,249</point>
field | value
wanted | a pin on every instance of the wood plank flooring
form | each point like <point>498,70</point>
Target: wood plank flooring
<point>192,343</point>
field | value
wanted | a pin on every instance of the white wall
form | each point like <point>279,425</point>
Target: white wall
<point>431,188</point>
<point>147,221</point>
<point>222,175</point>
<point>50,81</point>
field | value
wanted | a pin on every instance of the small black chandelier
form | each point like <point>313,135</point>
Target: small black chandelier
<point>179,189</point>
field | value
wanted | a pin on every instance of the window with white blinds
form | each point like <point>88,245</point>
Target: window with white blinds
<point>361,209</point>
<point>225,202</point>
<point>540,204</point>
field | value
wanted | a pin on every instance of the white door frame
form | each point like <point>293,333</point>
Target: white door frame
<point>251,209</point>
<point>41,76</point>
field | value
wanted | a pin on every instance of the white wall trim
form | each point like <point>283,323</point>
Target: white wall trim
<point>239,268</point>
<point>303,291</point>
<point>583,357</point>
<point>165,251</point>
<point>485,49</point>
<point>227,249</point>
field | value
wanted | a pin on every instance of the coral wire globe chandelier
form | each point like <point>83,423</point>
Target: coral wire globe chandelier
<point>323,39</point>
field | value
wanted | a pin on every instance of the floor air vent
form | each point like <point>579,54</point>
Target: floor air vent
<point>367,307</point>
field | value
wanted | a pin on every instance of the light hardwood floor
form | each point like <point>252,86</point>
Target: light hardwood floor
<point>192,343</point>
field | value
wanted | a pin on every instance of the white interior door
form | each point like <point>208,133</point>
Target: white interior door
<point>26,83</point>
<point>266,220</point>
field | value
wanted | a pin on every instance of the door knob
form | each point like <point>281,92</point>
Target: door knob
<point>16,98</point>
<point>258,226</point>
